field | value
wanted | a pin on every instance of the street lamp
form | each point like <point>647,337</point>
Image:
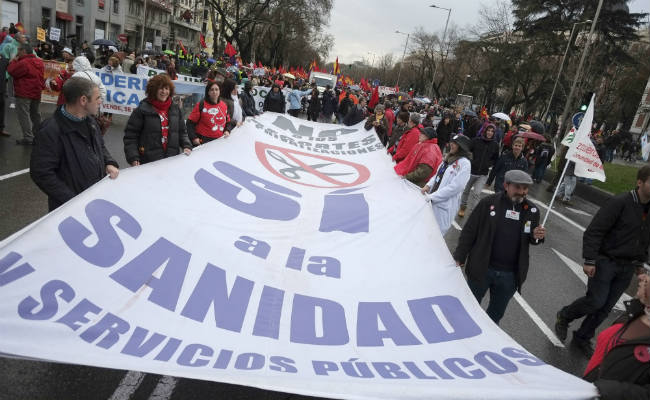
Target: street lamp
<point>464,80</point>
<point>557,78</point>
<point>404,54</point>
<point>444,37</point>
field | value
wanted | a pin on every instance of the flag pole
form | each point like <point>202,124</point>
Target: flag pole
<point>557,187</point>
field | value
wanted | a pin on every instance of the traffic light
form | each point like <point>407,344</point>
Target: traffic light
<point>584,103</point>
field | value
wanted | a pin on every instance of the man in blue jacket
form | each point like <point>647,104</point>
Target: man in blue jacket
<point>295,98</point>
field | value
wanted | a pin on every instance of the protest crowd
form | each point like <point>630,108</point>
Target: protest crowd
<point>450,154</point>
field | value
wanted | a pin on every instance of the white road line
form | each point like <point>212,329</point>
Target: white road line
<point>11,175</point>
<point>578,211</point>
<point>538,321</point>
<point>128,385</point>
<point>455,225</point>
<point>164,388</point>
<point>577,269</point>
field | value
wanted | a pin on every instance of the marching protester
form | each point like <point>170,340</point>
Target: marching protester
<point>69,154</point>
<point>209,119</point>
<point>274,100</point>
<point>568,185</point>
<point>409,138</point>
<point>295,98</point>
<point>618,367</point>
<point>27,71</point>
<point>485,151</point>
<point>155,129</point>
<point>356,113</point>
<point>345,104</point>
<point>423,161</point>
<point>4,61</point>
<point>401,126</point>
<point>248,101</point>
<point>390,118</point>
<point>66,73</point>
<point>330,104</point>
<point>543,155</point>
<point>445,188</point>
<point>494,243</point>
<point>378,121</point>
<point>445,131</point>
<point>614,247</point>
<point>230,96</point>
<point>82,69</point>
<point>508,161</point>
<point>313,111</point>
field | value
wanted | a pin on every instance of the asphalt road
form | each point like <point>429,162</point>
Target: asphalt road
<point>555,279</point>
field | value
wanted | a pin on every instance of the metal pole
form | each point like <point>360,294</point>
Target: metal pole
<point>403,55</point>
<point>444,37</point>
<point>144,21</point>
<point>464,80</point>
<point>559,73</point>
<point>569,99</point>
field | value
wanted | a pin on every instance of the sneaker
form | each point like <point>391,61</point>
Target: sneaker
<point>584,346</point>
<point>561,326</point>
<point>567,202</point>
<point>24,142</point>
<point>461,212</point>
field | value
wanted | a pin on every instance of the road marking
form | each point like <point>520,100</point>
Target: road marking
<point>164,388</point>
<point>538,321</point>
<point>128,385</point>
<point>455,225</point>
<point>577,269</point>
<point>11,175</point>
<point>578,211</point>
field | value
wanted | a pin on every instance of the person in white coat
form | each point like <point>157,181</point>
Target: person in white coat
<point>83,69</point>
<point>445,188</point>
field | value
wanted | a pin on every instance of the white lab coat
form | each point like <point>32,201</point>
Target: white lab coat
<point>446,200</point>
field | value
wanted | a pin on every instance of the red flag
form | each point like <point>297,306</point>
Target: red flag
<point>374,99</point>
<point>20,27</point>
<point>259,64</point>
<point>202,40</point>
<point>230,50</point>
<point>182,47</point>
<point>337,69</point>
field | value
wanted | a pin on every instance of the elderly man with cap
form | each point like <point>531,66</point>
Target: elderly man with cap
<point>445,188</point>
<point>493,245</point>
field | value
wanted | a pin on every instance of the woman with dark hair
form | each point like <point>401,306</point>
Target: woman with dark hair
<point>209,119</point>
<point>230,96</point>
<point>274,100</point>
<point>156,129</point>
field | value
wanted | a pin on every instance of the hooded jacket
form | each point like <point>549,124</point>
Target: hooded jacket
<point>82,68</point>
<point>275,102</point>
<point>485,153</point>
<point>420,165</point>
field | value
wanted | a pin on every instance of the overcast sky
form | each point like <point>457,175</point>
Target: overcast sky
<point>362,26</point>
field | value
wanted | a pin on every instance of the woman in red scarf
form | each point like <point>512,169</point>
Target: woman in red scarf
<point>156,129</point>
<point>209,118</point>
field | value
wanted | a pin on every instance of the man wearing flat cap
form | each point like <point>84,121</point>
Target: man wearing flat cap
<point>493,245</point>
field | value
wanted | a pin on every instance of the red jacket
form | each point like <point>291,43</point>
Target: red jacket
<point>427,152</point>
<point>57,84</point>
<point>390,118</point>
<point>28,73</point>
<point>406,143</point>
<point>211,121</point>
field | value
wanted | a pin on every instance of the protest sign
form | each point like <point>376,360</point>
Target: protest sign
<point>55,34</point>
<point>40,34</point>
<point>290,269</point>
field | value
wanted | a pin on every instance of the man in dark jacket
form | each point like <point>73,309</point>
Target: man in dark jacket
<point>445,131</point>
<point>69,154</point>
<point>248,101</point>
<point>614,247</point>
<point>27,71</point>
<point>493,244</point>
<point>543,155</point>
<point>485,151</point>
<point>356,114</point>
<point>330,104</point>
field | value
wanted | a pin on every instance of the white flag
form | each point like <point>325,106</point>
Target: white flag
<point>582,150</point>
<point>645,147</point>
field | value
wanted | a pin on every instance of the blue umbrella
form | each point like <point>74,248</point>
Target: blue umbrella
<point>103,42</point>
<point>211,60</point>
<point>470,113</point>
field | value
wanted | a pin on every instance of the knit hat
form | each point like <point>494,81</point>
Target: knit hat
<point>463,142</point>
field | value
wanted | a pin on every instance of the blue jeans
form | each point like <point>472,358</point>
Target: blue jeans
<point>538,172</point>
<point>502,285</point>
<point>603,291</point>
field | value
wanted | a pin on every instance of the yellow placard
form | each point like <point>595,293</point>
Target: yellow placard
<point>40,34</point>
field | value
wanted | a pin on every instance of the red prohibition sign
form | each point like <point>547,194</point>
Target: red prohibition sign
<point>293,167</point>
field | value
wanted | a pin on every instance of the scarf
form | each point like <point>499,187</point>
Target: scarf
<point>162,108</point>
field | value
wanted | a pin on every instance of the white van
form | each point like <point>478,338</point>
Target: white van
<point>322,80</point>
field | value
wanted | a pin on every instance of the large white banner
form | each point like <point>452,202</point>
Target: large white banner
<point>288,256</point>
<point>582,150</point>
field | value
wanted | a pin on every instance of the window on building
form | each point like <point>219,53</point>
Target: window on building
<point>80,3</point>
<point>46,17</point>
<point>100,4</point>
<point>79,28</point>
<point>116,6</point>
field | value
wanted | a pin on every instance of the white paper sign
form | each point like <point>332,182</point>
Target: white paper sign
<point>266,259</point>
<point>55,34</point>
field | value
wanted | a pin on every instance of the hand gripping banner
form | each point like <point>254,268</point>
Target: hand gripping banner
<point>288,256</point>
